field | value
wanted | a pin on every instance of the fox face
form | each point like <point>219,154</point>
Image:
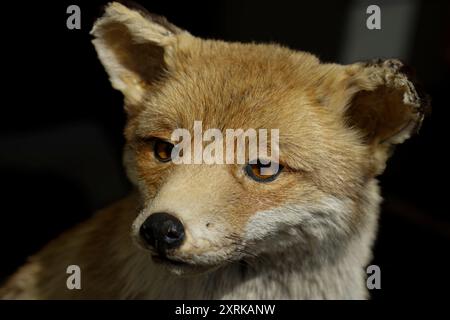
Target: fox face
<point>337,126</point>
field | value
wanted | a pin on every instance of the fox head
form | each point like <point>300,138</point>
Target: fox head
<point>337,127</point>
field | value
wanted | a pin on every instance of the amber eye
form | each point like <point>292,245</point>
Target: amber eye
<point>256,172</point>
<point>162,150</point>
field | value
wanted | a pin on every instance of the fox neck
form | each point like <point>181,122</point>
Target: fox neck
<point>296,275</point>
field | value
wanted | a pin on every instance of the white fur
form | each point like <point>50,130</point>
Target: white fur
<point>302,253</point>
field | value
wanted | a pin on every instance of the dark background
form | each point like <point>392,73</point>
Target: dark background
<point>61,122</point>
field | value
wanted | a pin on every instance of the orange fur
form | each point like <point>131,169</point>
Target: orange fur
<point>337,125</point>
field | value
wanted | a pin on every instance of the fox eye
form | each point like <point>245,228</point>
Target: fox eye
<point>256,172</point>
<point>162,150</point>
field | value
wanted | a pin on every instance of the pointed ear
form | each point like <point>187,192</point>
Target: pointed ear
<point>382,102</point>
<point>387,106</point>
<point>135,48</point>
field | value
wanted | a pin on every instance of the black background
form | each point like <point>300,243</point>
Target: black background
<point>61,126</point>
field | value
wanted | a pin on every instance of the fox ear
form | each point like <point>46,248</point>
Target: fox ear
<point>380,99</point>
<point>135,48</point>
<point>387,106</point>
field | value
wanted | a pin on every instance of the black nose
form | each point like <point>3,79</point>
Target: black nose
<point>162,231</point>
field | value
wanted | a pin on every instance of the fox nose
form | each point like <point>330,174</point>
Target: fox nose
<point>162,231</point>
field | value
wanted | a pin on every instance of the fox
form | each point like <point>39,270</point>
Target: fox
<point>226,231</point>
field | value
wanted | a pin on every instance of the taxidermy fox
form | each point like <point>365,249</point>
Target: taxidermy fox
<point>226,231</point>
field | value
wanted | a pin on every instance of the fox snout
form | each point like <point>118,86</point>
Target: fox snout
<point>162,231</point>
